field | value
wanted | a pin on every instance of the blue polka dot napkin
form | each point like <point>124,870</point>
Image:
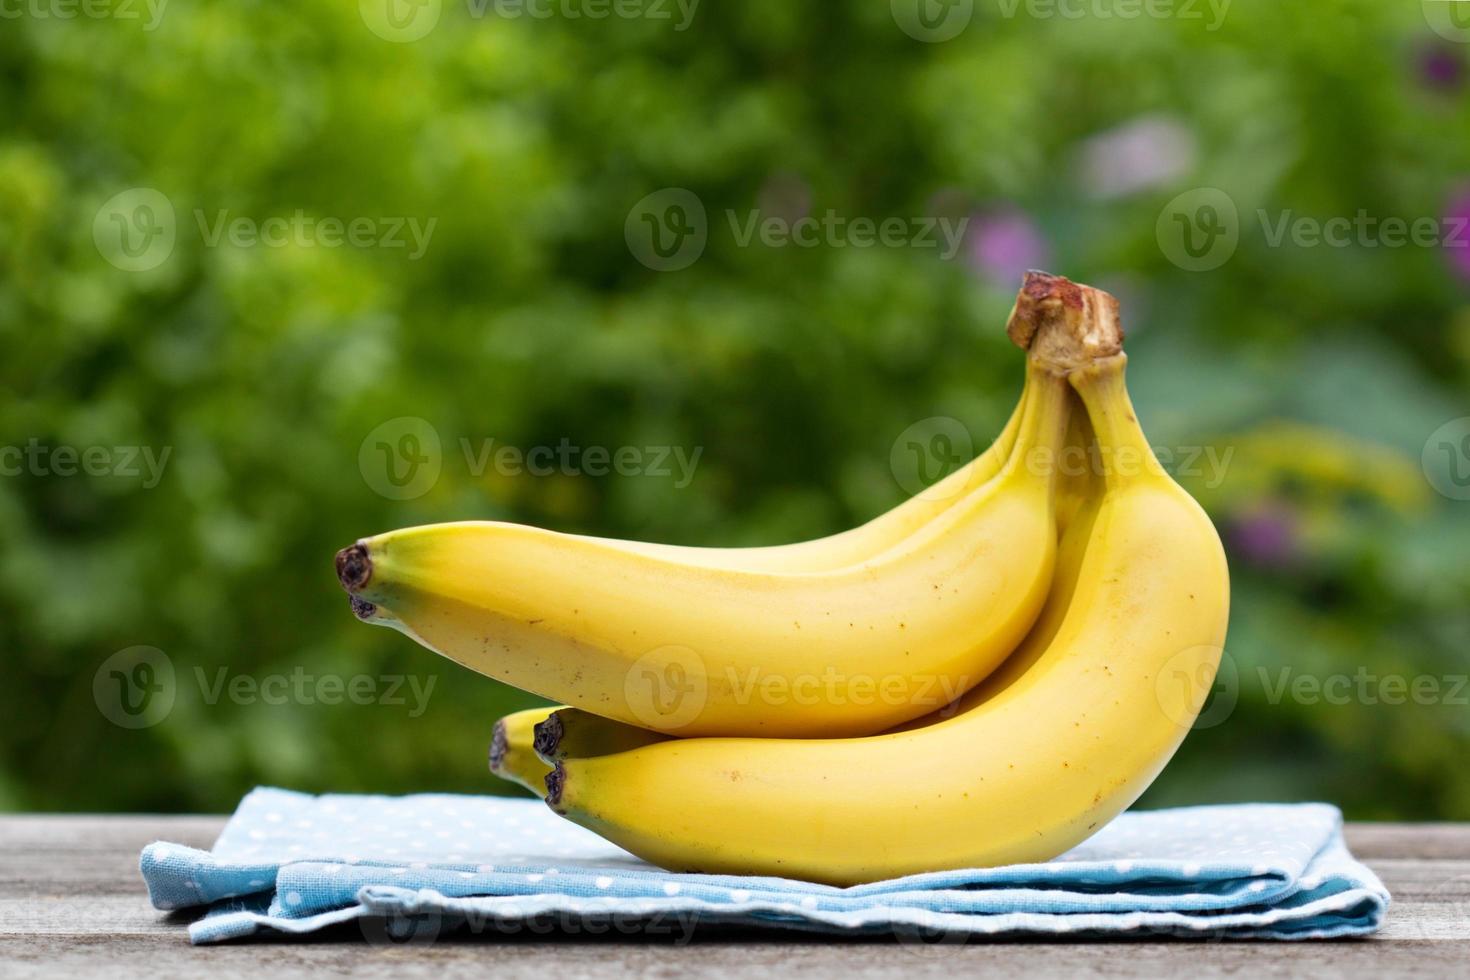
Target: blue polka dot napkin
<point>414,867</point>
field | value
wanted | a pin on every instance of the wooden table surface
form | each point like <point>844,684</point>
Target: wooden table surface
<point>71,899</point>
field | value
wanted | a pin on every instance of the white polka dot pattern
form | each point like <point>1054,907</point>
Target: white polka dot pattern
<point>291,862</point>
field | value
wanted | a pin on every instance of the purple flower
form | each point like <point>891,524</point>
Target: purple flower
<point>1148,152</point>
<point>1458,216</point>
<point>1266,536</point>
<point>1004,244</point>
<point>1442,68</point>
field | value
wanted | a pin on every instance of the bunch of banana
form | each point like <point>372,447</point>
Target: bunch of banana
<point>1070,672</point>
<point>688,641</point>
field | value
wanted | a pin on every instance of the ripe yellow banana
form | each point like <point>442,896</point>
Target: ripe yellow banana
<point>512,753</point>
<point>695,650</point>
<point>1066,735</point>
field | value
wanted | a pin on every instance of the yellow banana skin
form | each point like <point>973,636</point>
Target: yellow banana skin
<point>1064,737</point>
<point>574,732</point>
<point>694,650</point>
<point>512,756</point>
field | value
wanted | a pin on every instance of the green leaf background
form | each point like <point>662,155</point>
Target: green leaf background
<point>528,321</point>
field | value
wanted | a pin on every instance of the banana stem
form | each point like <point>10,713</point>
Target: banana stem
<point>1075,331</point>
<point>1124,454</point>
<point>1041,436</point>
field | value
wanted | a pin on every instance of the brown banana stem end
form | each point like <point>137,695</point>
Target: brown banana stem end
<point>354,567</point>
<point>1063,324</point>
<point>555,781</point>
<point>548,735</point>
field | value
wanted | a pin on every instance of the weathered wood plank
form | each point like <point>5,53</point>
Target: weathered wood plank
<point>71,899</point>
<point>572,960</point>
<point>1408,840</point>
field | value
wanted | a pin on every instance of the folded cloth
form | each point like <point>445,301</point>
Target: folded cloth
<point>413,867</point>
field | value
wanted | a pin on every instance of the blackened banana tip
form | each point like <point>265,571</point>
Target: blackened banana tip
<point>555,781</point>
<point>354,567</point>
<point>362,609</point>
<point>548,736</point>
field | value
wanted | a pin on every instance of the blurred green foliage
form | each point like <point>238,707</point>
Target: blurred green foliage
<point>1317,372</point>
